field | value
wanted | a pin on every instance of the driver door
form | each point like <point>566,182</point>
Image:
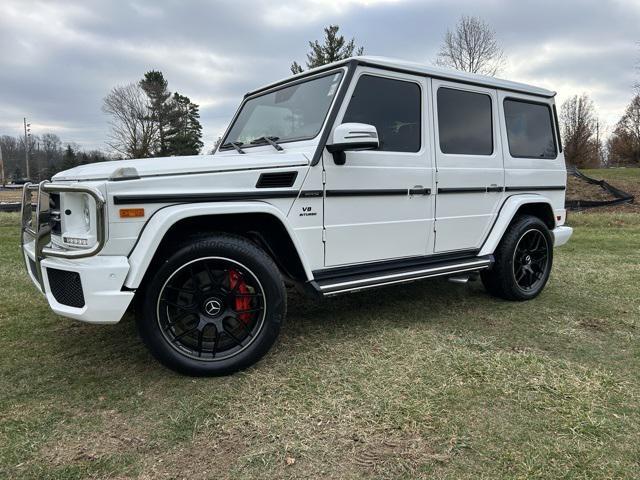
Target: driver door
<point>378,205</point>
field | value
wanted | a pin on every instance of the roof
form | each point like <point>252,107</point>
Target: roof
<point>424,70</point>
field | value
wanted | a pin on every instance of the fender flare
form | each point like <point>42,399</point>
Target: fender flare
<point>505,215</point>
<point>160,223</point>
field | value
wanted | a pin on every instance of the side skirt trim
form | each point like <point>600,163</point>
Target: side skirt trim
<point>360,283</point>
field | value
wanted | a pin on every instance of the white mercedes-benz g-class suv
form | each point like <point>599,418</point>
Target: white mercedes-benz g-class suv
<point>359,174</point>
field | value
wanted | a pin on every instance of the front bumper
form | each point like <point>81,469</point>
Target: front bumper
<point>561,235</point>
<point>100,299</point>
<point>77,283</point>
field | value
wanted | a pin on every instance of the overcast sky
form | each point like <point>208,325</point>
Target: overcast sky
<point>59,59</point>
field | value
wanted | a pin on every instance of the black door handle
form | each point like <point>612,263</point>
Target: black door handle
<point>419,191</point>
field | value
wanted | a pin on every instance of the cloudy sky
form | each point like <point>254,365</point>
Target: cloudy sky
<point>59,59</point>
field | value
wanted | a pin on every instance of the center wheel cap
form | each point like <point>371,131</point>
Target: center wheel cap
<point>212,307</point>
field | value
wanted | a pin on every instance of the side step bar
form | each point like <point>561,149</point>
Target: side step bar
<point>354,283</point>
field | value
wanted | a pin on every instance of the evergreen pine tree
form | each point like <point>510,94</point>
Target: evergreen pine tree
<point>334,48</point>
<point>185,133</point>
<point>155,86</point>
<point>69,159</point>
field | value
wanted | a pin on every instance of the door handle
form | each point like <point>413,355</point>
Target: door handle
<point>419,190</point>
<point>494,188</point>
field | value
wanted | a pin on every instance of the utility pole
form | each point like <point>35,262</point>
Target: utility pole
<point>2,167</point>
<point>598,142</point>
<point>27,134</point>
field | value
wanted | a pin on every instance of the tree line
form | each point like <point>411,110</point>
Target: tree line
<point>47,156</point>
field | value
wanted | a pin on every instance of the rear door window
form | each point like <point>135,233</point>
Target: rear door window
<point>464,122</point>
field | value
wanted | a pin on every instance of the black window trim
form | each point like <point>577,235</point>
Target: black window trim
<point>367,73</point>
<point>551,122</point>
<point>557,124</point>
<point>262,93</point>
<point>437,120</point>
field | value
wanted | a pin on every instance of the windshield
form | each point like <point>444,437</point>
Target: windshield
<point>296,112</point>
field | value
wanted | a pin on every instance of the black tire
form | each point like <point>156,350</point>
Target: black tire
<point>523,261</point>
<point>214,307</point>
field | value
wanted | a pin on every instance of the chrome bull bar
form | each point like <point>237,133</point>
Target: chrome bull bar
<point>41,230</point>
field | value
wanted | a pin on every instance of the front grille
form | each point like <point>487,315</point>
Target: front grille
<point>32,267</point>
<point>66,287</point>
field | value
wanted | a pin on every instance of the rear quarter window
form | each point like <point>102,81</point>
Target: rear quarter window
<point>529,129</point>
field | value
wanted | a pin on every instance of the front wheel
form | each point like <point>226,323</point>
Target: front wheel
<point>214,307</point>
<point>523,261</point>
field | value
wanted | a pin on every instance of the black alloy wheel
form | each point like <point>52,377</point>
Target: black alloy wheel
<point>213,307</point>
<point>523,260</point>
<point>530,259</point>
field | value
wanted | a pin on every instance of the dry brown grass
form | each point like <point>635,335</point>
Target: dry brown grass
<point>10,195</point>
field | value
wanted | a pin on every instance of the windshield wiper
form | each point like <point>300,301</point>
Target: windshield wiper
<point>234,145</point>
<point>270,140</point>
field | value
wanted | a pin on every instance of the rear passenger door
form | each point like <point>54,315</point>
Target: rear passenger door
<point>470,170</point>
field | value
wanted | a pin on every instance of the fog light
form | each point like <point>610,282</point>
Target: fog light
<point>80,242</point>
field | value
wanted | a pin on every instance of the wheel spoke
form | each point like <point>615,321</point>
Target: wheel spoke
<point>194,279</point>
<point>191,308</point>
<point>212,277</point>
<point>244,327</point>
<point>232,336</point>
<point>186,332</point>
<point>200,338</point>
<point>181,289</point>
<point>215,344</point>
<point>174,322</point>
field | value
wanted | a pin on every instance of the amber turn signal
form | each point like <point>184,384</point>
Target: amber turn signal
<point>131,212</point>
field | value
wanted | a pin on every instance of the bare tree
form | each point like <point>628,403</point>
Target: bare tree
<point>133,130</point>
<point>471,47</point>
<point>637,84</point>
<point>580,131</point>
<point>624,143</point>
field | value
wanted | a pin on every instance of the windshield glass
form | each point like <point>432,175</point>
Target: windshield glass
<point>296,112</point>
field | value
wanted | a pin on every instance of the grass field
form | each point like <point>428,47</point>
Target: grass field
<point>430,380</point>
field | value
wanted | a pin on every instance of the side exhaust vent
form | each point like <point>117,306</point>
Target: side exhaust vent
<point>276,180</point>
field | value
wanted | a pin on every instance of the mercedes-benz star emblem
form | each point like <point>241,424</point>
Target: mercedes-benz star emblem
<point>212,307</point>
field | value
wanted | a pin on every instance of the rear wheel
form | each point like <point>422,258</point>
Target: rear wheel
<point>523,261</point>
<point>213,308</point>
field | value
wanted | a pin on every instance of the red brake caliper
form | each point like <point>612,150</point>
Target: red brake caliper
<point>238,285</point>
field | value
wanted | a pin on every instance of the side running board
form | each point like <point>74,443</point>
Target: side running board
<point>341,284</point>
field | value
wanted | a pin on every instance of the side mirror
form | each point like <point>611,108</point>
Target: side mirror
<point>352,136</point>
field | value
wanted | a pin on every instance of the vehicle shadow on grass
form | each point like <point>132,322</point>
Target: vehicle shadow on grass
<point>437,304</point>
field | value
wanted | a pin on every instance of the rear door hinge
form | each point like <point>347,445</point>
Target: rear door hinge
<point>324,176</point>
<point>324,234</point>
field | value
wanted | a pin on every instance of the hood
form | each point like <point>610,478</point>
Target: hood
<point>165,166</point>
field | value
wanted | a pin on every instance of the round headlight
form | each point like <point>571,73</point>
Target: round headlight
<point>86,213</point>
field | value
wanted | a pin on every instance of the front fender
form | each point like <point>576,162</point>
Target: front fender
<point>158,225</point>
<point>508,210</point>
